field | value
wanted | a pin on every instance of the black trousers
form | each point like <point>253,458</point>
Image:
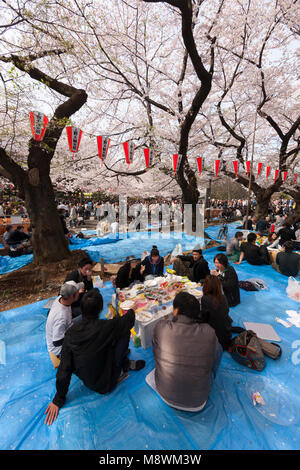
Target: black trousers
<point>121,361</point>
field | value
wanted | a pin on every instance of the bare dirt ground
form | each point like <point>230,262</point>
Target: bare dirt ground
<point>29,284</point>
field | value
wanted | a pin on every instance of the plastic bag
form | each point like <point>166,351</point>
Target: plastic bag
<point>293,289</point>
<point>144,255</point>
<point>177,251</point>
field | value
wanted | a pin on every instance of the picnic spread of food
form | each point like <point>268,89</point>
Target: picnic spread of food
<point>154,295</point>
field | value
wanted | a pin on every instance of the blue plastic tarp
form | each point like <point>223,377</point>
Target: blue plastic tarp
<point>213,231</point>
<point>133,416</point>
<point>113,249</point>
<point>137,242</point>
<point>81,242</point>
<point>8,264</point>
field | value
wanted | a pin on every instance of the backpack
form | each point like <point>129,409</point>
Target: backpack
<point>258,283</point>
<point>246,349</point>
<point>249,350</point>
<point>247,285</point>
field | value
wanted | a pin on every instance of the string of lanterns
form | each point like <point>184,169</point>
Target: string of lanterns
<point>39,124</point>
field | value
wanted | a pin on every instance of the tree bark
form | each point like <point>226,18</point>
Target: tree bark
<point>35,186</point>
<point>48,239</point>
<point>263,198</point>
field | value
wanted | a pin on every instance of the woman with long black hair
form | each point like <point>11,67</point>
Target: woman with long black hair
<point>215,310</point>
<point>228,278</point>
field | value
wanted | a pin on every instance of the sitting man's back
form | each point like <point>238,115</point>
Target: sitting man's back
<point>94,350</point>
<point>187,354</point>
<point>287,261</point>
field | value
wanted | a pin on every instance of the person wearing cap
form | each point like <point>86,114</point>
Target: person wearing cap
<point>96,351</point>
<point>129,273</point>
<point>152,265</point>
<point>60,318</point>
<point>82,274</point>
<point>195,267</point>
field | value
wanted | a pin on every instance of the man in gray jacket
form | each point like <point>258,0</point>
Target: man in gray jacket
<point>187,355</point>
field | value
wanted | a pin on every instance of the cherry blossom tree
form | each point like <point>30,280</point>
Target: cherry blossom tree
<point>255,92</point>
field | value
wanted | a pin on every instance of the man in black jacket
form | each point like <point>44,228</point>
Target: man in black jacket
<point>287,262</point>
<point>18,237</point>
<point>253,254</point>
<point>263,226</point>
<point>82,274</point>
<point>94,350</point>
<point>195,267</point>
<point>19,242</point>
<point>286,234</point>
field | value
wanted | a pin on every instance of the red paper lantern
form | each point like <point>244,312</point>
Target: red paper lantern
<point>199,163</point>
<point>103,145</point>
<point>276,175</point>
<point>39,122</point>
<point>259,167</point>
<point>148,157</point>
<point>217,166</point>
<point>74,136</point>
<point>248,166</point>
<point>129,147</point>
<point>236,166</point>
<point>268,171</point>
<point>176,162</point>
<point>284,176</point>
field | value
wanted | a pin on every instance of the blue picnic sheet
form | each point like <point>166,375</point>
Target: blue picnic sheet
<point>133,416</point>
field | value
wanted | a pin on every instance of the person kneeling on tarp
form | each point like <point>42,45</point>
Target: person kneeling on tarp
<point>152,265</point>
<point>195,267</point>
<point>187,356</point>
<point>94,350</point>
<point>253,254</point>
<point>60,318</point>
<point>233,250</point>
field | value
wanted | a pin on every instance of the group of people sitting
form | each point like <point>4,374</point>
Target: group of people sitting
<point>17,241</point>
<point>151,265</point>
<point>287,262</point>
<point>97,351</point>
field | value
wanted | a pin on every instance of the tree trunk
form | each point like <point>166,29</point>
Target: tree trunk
<point>48,239</point>
<point>190,195</point>
<point>263,198</point>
